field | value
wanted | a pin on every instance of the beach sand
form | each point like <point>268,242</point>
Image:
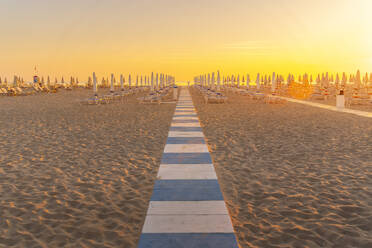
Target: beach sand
<point>292,175</point>
<point>74,175</point>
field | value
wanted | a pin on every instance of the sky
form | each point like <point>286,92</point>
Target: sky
<point>183,38</point>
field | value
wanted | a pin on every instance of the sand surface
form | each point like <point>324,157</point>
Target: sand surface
<point>292,175</point>
<point>77,176</point>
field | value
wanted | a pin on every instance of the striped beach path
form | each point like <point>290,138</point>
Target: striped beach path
<point>187,208</point>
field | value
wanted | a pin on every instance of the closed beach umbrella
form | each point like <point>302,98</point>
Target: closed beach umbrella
<point>337,80</point>
<point>218,80</point>
<point>157,81</point>
<point>94,84</point>
<point>121,82</point>
<point>258,81</point>
<point>152,81</point>
<point>213,85</point>
<point>112,83</point>
<point>248,80</point>
<point>129,80</point>
<point>273,83</point>
<point>357,80</point>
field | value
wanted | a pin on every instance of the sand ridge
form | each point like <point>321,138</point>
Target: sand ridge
<point>292,175</point>
<point>77,176</point>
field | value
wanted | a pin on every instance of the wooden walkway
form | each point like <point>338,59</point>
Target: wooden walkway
<point>187,208</point>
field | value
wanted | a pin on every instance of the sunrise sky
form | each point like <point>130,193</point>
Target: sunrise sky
<point>183,38</point>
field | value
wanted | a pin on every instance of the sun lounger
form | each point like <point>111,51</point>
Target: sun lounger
<point>152,98</point>
<point>3,92</point>
<point>359,101</point>
<point>215,98</point>
<point>94,101</point>
<point>273,99</point>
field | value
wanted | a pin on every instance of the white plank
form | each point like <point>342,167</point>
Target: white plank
<point>190,124</point>
<point>186,118</point>
<point>185,134</point>
<point>186,171</point>
<point>185,113</point>
<point>185,148</point>
<point>188,224</point>
<point>183,108</point>
<point>187,207</point>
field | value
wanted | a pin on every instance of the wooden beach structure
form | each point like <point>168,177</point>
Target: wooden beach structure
<point>187,208</point>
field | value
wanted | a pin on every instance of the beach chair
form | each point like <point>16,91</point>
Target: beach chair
<point>215,98</point>
<point>273,99</point>
<point>152,98</point>
<point>3,92</point>
<point>258,96</point>
<point>21,92</point>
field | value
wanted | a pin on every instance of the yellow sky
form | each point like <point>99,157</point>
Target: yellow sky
<point>183,38</point>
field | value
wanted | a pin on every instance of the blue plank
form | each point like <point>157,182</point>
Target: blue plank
<point>186,158</point>
<point>187,240</point>
<point>187,190</point>
<point>185,140</point>
<point>185,129</point>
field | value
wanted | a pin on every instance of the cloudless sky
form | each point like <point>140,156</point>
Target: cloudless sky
<point>183,37</point>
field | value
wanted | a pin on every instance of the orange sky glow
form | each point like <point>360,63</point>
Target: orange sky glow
<point>183,38</point>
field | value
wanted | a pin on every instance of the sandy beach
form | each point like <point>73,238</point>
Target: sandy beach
<point>77,176</point>
<point>292,175</point>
